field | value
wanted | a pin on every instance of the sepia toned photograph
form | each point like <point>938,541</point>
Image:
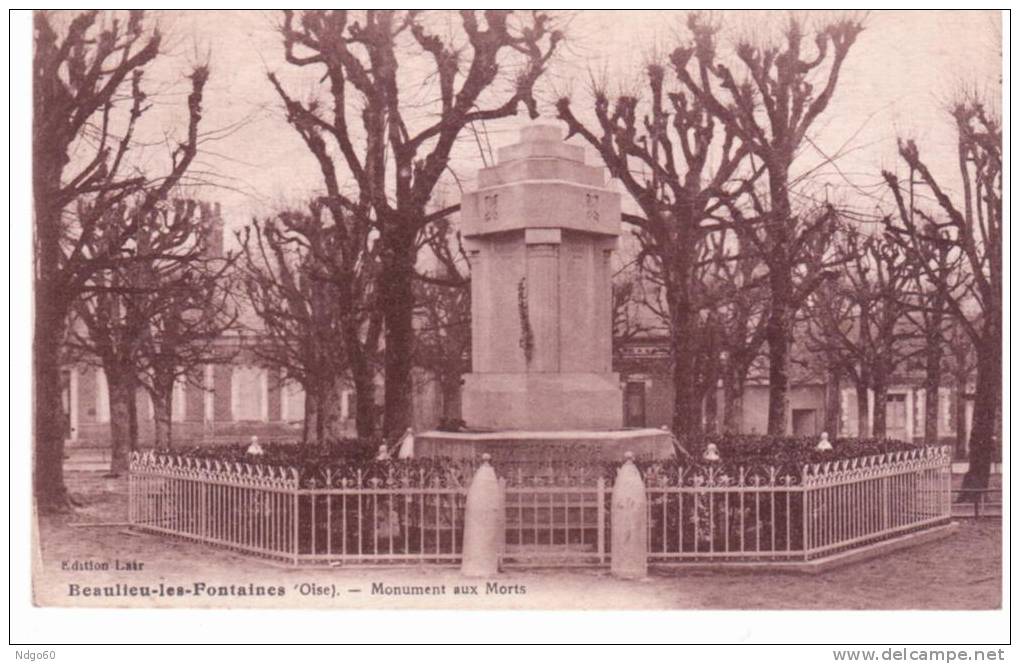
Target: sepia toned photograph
<point>512,310</point>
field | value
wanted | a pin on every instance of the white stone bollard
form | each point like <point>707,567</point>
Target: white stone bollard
<point>629,523</point>
<point>501,533</point>
<point>483,523</point>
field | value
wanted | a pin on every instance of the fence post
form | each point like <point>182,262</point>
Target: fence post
<point>629,523</point>
<point>482,523</point>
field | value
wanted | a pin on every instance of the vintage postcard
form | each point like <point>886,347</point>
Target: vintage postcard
<point>514,309</point>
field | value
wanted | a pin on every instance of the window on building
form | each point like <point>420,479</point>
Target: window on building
<point>293,408</point>
<point>249,388</point>
<point>896,411</point>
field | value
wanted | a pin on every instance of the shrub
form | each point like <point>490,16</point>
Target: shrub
<point>753,454</point>
<point>788,454</point>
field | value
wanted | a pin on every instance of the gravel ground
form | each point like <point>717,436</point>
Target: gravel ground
<point>962,571</point>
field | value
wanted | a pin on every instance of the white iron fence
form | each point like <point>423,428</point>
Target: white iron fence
<point>761,514</point>
<point>407,514</point>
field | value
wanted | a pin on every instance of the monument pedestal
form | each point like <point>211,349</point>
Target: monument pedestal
<point>541,401</point>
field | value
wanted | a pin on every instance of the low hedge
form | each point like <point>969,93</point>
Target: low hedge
<point>788,455</point>
<point>787,450</point>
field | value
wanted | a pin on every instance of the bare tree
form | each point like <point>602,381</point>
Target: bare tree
<point>87,102</point>
<point>739,298</point>
<point>151,317</point>
<point>188,303</point>
<point>770,112</point>
<point>393,166</point>
<point>971,227</point>
<point>960,365</point>
<point>311,283</point>
<point>860,320</point>
<point>929,312</point>
<point>662,158</point>
<point>443,312</point>
<point>631,307</point>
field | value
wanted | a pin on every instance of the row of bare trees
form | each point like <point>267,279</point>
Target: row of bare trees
<point>744,264</point>
<point>707,155</point>
<point>368,277</point>
<point>122,271</point>
<point>381,162</point>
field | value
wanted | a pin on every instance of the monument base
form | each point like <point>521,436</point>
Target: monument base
<point>542,401</point>
<point>522,446</point>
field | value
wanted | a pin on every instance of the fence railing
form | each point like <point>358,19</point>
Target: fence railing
<point>977,503</point>
<point>763,515</point>
<point>266,511</point>
<point>414,515</point>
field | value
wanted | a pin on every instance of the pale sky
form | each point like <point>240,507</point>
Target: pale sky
<point>897,80</point>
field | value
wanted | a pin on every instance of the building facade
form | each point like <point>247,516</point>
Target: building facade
<point>647,383</point>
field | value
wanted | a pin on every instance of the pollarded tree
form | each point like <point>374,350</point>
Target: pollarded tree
<point>88,101</point>
<point>738,297</point>
<point>443,312</point>
<point>311,284</point>
<point>151,317</point>
<point>396,148</point>
<point>186,297</point>
<point>678,164</point>
<point>969,226</point>
<point>928,310</point>
<point>861,319</point>
<point>769,105</point>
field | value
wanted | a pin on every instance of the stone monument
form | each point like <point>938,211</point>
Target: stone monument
<point>540,230</point>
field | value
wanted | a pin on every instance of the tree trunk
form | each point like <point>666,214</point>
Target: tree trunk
<point>310,428</point>
<point>733,402</point>
<point>986,398</point>
<point>881,389</point>
<point>397,298</point>
<point>779,327</point>
<point>683,338</point>
<point>162,412</point>
<point>51,308</point>
<point>364,395</point>
<point>120,388</point>
<point>331,411</point>
<point>50,493</point>
<point>932,380</point>
<point>133,423</point>
<point>863,419</point>
<point>712,409</point>
<point>932,402</point>
<point>778,337</point>
<point>833,403</point>
<point>960,408</point>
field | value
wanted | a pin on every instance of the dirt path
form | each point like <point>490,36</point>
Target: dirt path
<point>960,572</point>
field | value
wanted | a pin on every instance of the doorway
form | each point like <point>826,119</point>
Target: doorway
<point>634,404</point>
